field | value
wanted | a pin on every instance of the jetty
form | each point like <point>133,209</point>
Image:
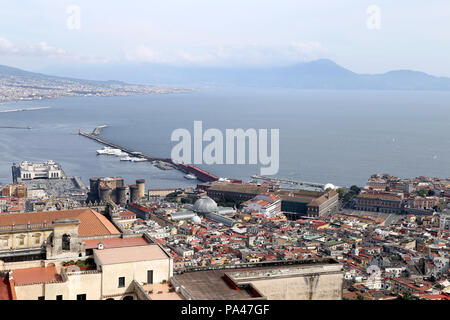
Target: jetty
<point>201,175</point>
<point>287,181</point>
<point>24,109</point>
<point>14,127</point>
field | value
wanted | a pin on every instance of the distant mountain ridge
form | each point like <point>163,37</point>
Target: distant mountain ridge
<point>6,71</point>
<point>318,74</point>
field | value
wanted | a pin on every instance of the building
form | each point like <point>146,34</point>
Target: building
<point>267,204</point>
<point>379,202</point>
<point>294,203</point>
<point>309,203</point>
<point>424,203</point>
<point>14,190</point>
<point>444,221</point>
<point>29,171</point>
<point>240,192</point>
<point>314,279</point>
<point>115,273</point>
<point>206,207</point>
<point>114,189</point>
<point>77,255</point>
<point>55,234</point>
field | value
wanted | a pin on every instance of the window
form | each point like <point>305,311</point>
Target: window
<point>66,242</point>
<point>149,276</point>
<point>81,296</point>
<point>59,297</point>
<point>21,240</point>
<point>121,282</point>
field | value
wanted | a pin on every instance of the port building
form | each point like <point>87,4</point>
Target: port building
<point>28,171</point>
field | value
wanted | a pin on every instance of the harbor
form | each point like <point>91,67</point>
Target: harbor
<point>292,182</point>
<point>161,163</point>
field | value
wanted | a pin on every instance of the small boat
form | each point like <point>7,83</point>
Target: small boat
<point>127,158</point>
<point>111,151</point>
<point>190,177</point>
<point>133,159</point>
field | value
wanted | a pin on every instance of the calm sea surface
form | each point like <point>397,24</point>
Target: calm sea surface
<point>340,137</point>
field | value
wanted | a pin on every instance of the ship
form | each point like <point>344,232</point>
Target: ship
<point>132,159</point>
<point>111,151</point>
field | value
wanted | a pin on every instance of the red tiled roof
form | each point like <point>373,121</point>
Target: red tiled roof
<point>35,275</point>
<point>5,289</point>
<point>92,223</point>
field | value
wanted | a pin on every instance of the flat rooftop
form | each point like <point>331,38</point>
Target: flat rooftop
<point>130,254</point>
<point>116,242</point>
<point>211,285</point>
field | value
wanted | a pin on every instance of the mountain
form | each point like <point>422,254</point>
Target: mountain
<point>8,72</point>
<point>319,74</point>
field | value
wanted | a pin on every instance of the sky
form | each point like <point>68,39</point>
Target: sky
<point>364,36</point>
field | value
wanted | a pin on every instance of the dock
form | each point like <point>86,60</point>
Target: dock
<point>14,127</point>
<point>25,109</point>
<point>201,175</point>
<point>287,181</point>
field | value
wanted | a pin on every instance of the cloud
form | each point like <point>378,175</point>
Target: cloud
<point>40,49</point>
<point>43,50</point>
<point>6,46</point>
<point>253,54</point>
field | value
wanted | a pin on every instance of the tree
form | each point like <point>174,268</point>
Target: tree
<point>355,189</point>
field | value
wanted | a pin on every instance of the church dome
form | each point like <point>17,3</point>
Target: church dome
<point>205,205</point>
<point>329,186</point>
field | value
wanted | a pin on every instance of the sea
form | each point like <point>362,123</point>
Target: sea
<point>338,137</point>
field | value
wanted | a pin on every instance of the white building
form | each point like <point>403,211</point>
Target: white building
<point>29,171</point>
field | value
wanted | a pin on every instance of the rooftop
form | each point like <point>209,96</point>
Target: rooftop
<point>29,276</point>
<point>130,254</point>
<point>116,242</point>
<point>92,223</point>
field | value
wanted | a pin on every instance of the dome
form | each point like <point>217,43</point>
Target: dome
<point>196,219</point>
<point>329,186</point>
<point>205,205</point>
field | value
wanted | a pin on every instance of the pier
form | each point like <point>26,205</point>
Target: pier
<point>25,109</point>
<point>300,183</point>
<point>132,152</point>
<point>201,175</point>
<point>14,127</point>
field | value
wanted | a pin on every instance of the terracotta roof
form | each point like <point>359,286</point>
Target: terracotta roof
<point>92,223</point>
<point>5,290</point>
<point>116,242</point>
<point>380,196</point>
<point>35,275</point>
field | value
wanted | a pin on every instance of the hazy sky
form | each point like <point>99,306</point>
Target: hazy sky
<point>364,36</point>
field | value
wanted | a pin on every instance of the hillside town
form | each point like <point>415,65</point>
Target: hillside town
<point>19,85</point>
<point>388,239</point>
